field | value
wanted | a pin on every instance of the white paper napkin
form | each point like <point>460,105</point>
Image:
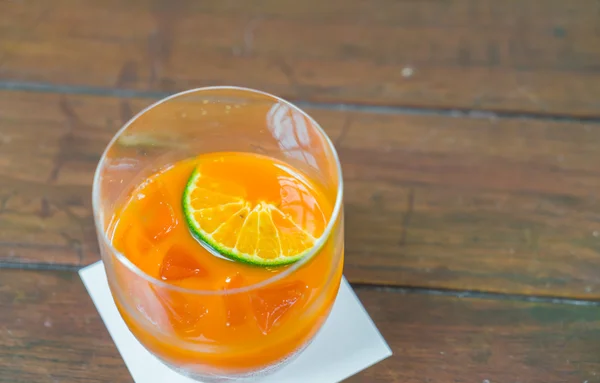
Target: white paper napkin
<point>348,342</point>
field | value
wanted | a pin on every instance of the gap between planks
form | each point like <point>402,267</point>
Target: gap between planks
<point>474,294</point>
<point>374,109</point>
<point>468,294</point>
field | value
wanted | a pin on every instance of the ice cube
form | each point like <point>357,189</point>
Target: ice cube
<point>270,305</point>
<point>236,305</point>
<point>143,297</point>
<point>184,311</point>
<point>157,215</point>
<point>179,263</point>
<point>137,246</point>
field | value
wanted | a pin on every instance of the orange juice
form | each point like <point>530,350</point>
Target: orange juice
<point>225,315</point>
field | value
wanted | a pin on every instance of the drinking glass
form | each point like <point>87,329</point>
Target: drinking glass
<point>185,125</point>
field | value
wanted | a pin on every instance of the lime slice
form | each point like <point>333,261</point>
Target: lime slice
<point>260,234</point>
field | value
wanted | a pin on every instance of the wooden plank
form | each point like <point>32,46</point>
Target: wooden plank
<point>49,148</point>
<point>476,204</point>
<point>537,56</point>
<point>51,332</point>
<point>449,339</point>
<point>503,205</point>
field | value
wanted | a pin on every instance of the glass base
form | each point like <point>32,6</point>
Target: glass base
<point>244,377</point>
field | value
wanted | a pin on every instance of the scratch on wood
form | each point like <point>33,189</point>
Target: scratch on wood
<point>259,148</point>
<point>493,54</point>
<point>410,205</point>
<point>344,132</point>
<point>464,54</point>
<point>45,208</point>
<point>377,200</point>
<point>160,41</point>
<point>289,73</point>
<point>127,77</point>
<point>4,201</point>
<point>249,34</point>
<point>74,244</point>
<point>66,144</point>
<point>88,240</point>
<point>125,111</point>
<point>287,70</point>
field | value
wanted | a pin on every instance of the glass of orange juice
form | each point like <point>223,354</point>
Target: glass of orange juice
<point>220,221</point>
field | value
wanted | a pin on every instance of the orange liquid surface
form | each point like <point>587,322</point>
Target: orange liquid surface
<point>222,332</point>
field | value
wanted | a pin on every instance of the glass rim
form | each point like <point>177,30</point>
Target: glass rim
<point>319,244</point>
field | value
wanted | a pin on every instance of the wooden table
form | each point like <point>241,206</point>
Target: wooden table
<point>469,133</point>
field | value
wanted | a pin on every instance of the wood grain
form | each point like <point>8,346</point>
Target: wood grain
<point>477,204</point>
<point>504,205</point>
<point>49,148</point>
<point>463,340</point>
<point>51,332</point>
<point>537,56</point>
